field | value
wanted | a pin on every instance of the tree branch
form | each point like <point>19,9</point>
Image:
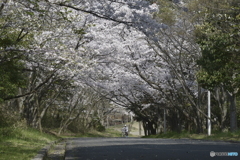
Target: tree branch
<point>32,91</point>
<point>94,13</point>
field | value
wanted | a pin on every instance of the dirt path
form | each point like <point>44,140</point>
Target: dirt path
<point>135,130</point>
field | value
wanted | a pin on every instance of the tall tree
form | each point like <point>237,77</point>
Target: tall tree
<point>219,40</point>
<point>12,42</point>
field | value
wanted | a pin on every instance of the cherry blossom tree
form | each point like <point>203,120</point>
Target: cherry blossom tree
<point>124,50</point>
<point>157,56</point>
<point>56,50</point>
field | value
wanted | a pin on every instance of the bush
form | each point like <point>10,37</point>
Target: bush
<point>9,115</point>
<point>100,128</point>
<point>6,132</point>
<point>77,127</point>
<point>49,121</point>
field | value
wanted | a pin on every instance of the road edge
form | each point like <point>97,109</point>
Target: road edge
<point>42,154</point>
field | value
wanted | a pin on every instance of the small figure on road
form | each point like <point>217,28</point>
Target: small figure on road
<point>125,131</point>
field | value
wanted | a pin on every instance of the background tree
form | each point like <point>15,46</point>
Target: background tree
<point>12,42</point>
<point>139,55</point>
<point>218,38</point>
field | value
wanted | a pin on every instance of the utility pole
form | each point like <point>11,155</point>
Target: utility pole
<point>209,113</point>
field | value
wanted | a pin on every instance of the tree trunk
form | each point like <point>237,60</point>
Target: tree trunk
<point>198,122</point>
<point>152,128</point>
<point>30,111</point>
<point>40,117</point>
<point>221,97</point>
<point>64,126</point>
<point>223,117</point>
<point>233,112</point>
<point>145,128</point>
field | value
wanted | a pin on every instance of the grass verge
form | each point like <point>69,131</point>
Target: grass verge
<point>224,136</point>
<point>109,132</point>
<point>22,144</point>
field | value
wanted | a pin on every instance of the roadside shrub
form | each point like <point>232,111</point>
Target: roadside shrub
<point>78,127</point>
<point>49,121</point>
<point>5,119</point>
<point>100,128</point>
<point>6,132</point>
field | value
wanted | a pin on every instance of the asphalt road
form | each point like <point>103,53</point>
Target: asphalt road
<point>148,149</point>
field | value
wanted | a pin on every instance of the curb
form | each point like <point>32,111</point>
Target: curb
<point>229,141</point>
<point>57,152</point>
<point>42,154</point>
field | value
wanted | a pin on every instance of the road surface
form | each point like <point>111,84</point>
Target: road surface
<point>149,149</point>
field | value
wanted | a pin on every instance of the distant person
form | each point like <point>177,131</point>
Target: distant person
<point>125,130</point>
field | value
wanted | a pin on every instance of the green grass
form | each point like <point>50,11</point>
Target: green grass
<point>22,144</point>
<point>110,132</point>
<point>224,136</point>
<point>113,131</point>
